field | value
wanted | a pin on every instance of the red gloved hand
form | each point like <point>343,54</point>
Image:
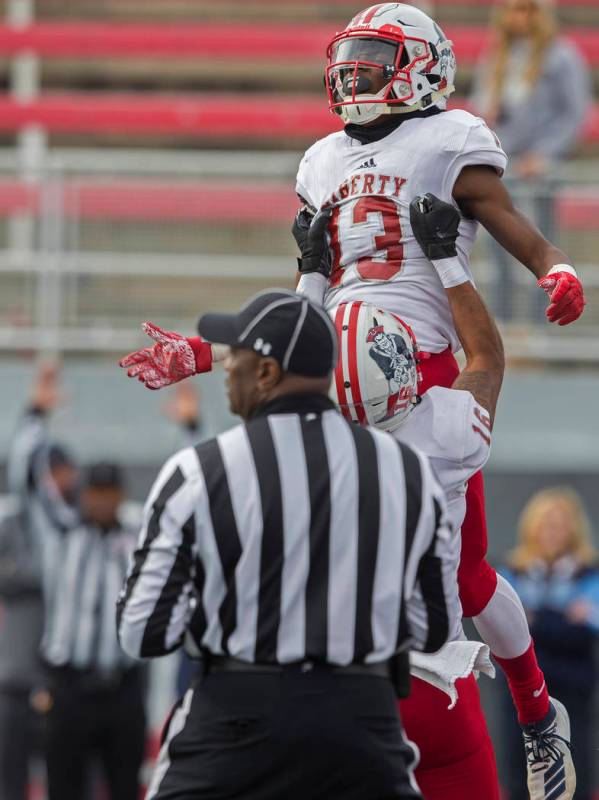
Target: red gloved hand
<point>171,359</point>
<point>566,296</point>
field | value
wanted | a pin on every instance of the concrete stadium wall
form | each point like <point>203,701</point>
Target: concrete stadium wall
<point>546,431</point>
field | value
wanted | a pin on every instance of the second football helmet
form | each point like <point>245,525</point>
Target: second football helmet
<point>393,46</point>
<point>376,378</point>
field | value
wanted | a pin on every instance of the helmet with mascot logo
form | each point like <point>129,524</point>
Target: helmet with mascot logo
<point>376,378</point>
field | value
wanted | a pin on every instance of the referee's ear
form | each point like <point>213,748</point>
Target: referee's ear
<point>269,374</point>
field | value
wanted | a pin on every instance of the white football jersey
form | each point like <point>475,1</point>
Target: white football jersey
<point>375,255</point>
<point>454,431</point>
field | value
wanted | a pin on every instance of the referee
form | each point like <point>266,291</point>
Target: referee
<point>298,554</point>
<point>93,703</point>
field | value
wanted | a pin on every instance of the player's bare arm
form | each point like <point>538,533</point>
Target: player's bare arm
<point>435,225</point>
<point>483,374</point>
<point>481,194</point>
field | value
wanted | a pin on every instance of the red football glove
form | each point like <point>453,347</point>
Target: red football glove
<point>566,297</point>
<point>171,359</point>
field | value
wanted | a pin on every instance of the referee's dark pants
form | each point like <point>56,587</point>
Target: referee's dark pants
<point>94,718</point>
<point>313,735</point>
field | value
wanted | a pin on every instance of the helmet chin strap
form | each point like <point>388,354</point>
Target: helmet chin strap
<point>384,108</point>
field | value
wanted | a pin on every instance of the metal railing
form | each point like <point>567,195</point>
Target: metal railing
<point>78,275</point>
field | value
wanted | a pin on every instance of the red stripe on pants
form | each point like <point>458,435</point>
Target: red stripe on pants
<point>352,358</point>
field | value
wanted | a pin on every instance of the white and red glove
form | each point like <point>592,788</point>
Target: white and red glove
<point>566,296</point>
<point>171,359</point>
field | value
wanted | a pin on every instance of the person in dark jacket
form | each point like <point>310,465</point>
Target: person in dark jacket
<point>21,678</point>
<point>555,570</point>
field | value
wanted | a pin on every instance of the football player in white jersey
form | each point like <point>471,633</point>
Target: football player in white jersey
<point>379,360</point>
<point>389,75</point>
<point>375,383</point>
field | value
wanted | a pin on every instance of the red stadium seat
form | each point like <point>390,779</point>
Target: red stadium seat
<point>213,40</point>
<point>264,117</point>
<point>442,3</point>
<point>352,6</point>
<point>215,201</point>
<point>203,117</point>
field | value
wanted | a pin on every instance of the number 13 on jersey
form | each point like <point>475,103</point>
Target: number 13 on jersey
<point>389,262</point>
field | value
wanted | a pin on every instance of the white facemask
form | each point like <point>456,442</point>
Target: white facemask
<point>360,113</point>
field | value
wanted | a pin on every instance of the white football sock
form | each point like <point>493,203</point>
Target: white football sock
<point>502,624</point>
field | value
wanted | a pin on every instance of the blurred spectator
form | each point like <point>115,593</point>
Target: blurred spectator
<point>183,407</point>
<point>43,479</point>
<point>555,570</point>
<point>95,704</point>
<point>533,89</point>
<point>21,620</point>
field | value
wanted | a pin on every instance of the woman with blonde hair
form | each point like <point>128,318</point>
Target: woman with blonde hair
<point>533,88</point>
<point>541,537</point>
<point>554,568</point>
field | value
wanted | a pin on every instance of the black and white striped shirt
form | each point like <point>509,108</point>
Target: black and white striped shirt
<point>86,578</point>
<point>82,568</point>
<point>293,536</point>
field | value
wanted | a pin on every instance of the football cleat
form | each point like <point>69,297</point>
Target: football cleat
<point>551,773</point>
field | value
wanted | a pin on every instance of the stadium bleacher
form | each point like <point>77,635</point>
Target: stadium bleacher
<point>213,40</point>
<point>147,156</point>
<point>223,202</point>
<point>207,115</point>
<point>192,75</point>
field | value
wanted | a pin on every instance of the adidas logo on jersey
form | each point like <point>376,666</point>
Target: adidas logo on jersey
<point>368,163</point>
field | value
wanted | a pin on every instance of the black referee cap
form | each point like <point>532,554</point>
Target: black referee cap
<point>105,475</point>
<point>280,324</point>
